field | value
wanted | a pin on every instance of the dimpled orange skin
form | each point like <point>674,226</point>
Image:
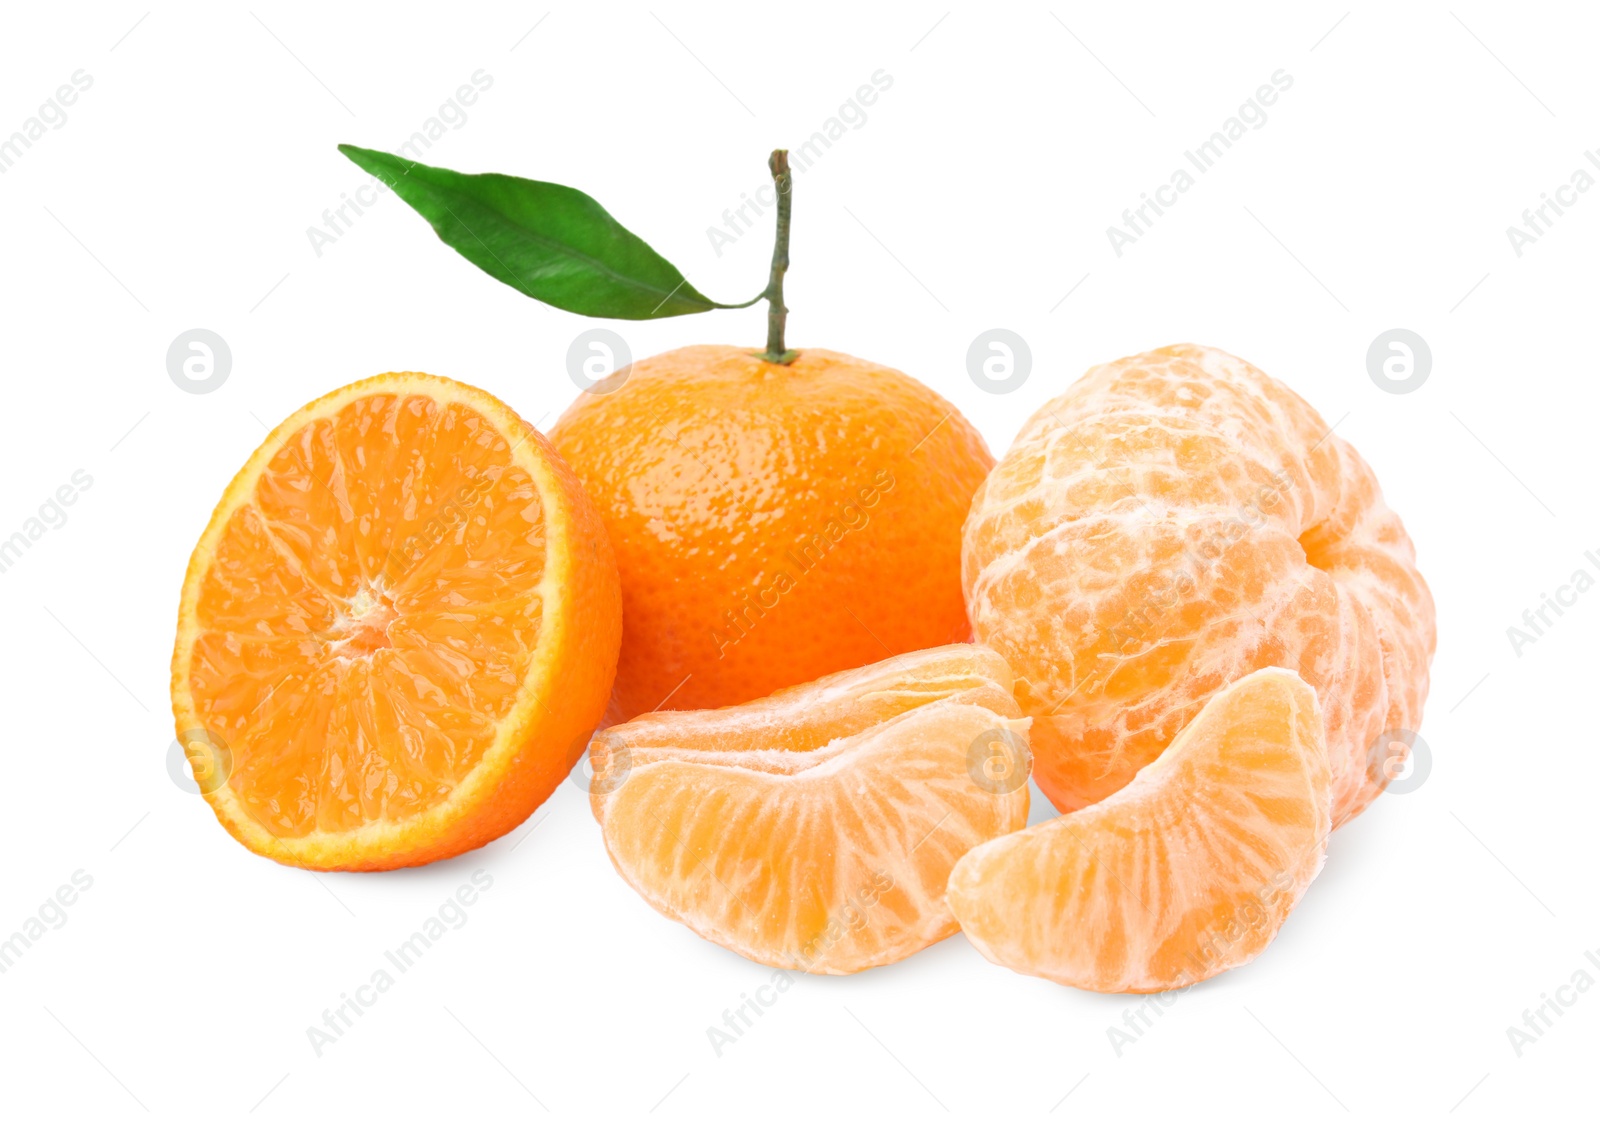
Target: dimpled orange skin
<point>1173,522</point>
<point>773,524</point>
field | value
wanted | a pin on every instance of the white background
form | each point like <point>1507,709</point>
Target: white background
<point>976,195</point>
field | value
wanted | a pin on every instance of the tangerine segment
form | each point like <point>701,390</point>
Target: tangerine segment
<point>1184,873</point>
<point>402,617</point>
<point>1174,521</point>
<point>815,829</point>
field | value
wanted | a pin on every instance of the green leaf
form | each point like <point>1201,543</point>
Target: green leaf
<point>550,242</point>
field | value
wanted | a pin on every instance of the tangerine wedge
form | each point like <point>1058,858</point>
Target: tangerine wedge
<point>815,829</point>
<point>1186,872</point>
<point>397,631</point>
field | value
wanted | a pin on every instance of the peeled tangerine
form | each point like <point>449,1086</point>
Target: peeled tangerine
<point>815,829</point>
<point>1172,522</point>
<point>1187,871</point>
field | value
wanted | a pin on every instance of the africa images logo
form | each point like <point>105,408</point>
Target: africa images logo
<point>1139,221</point>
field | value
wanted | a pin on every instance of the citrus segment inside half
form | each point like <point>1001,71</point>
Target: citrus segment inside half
<point>402,617</point>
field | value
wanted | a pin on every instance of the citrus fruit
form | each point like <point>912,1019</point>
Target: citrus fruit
<point>402,617</point>
<point>1176,520</point>
<point>1187,871</point>
<point>816,829</point>
<point>773,523</point>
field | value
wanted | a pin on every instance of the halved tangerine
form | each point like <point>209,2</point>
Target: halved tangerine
<point>815,829</point>
<point>1187,871</point>
<point>402,616</point>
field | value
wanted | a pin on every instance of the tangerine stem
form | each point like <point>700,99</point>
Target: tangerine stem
<point>777,312</point>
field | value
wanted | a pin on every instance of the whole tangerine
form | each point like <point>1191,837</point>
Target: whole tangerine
<point>773,522</point>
